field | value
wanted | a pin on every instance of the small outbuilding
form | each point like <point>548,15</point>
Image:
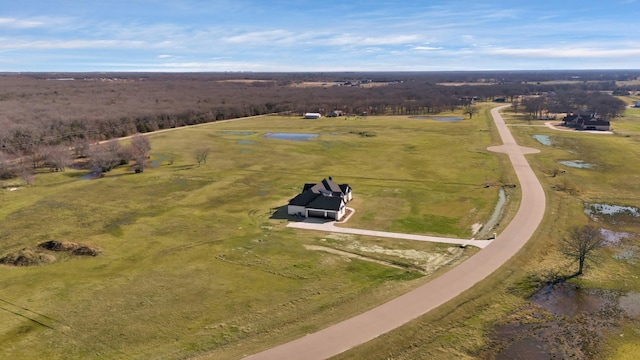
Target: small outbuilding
<point>312,115</point>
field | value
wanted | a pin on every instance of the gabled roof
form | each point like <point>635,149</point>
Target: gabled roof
<point>326,185</point>
<point>326,203</point>
<point>304,198</point>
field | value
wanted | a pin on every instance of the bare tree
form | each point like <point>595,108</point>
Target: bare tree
<point>580,244</point>
<point>140,147</point>
<point>101,160</point>
<point>58,157</point>
<point>471,110</point>
<point>38,155</point>
<point>80,146</point>
<point>201,155</point>
<point>7,168</point>
<point>26,172</point>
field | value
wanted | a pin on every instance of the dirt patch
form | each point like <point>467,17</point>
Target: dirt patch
<point>568,300</point>
<point>561,321</point>
<point>41,255</point>
<point>27,257</point>
<point>70,247</point>
<point>351,255</point>
<point>427,262</point>
<point>630,304</point>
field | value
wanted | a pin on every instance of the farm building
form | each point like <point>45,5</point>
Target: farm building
<point>325,199</point>
<point>312,116</point>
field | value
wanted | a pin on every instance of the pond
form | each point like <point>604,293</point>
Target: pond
<point>290,136</point>
<point>543,139</point>
<point>245,142</point>
<point>438,118</point>
<point>579,164</point>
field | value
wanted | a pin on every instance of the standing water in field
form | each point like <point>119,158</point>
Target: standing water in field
<point>578,164</point>
<point>497,212</point>
<point>608,209</point>
<point>290,136</point>
<point>543,139</point>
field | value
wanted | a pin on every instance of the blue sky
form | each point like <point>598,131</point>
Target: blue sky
<point>327,35</point>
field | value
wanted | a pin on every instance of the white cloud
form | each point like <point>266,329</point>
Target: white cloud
<point>261,37</point>
<point>20,23</point>
<point>68,44</point>
<point>566,52</point>
<point>426,48</point>
<point>358,40</point>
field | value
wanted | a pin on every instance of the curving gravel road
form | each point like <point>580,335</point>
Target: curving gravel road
<point>364,327</point>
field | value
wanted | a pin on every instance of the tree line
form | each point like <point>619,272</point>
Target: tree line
<point>42,113</point>
<point>574,101</point>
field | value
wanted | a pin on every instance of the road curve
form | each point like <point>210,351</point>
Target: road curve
<point>357,330</point>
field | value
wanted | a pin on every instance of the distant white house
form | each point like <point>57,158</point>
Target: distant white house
<point>312,116</point>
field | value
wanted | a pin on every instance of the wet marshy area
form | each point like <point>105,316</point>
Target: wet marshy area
<point>562,321</point>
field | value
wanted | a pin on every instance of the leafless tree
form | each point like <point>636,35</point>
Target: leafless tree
<point>101,159</point>
<point>470,110</point>
<point>38,155</point>
<point>25,170</point>
<point>7,168</point>
<point>140,147</point>
<point>201,155</point>
<point>58,157</point>
<point>80,146</point>
<point>580,244</point>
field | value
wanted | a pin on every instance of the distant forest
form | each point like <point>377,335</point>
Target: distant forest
<point>48,109</point>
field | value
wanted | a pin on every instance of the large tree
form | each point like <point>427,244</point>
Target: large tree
<point>140,147</point>
<point>580,243</point>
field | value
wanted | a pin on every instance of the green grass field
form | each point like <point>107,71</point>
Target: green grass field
<point>192,261</point>
<point>461,328</point>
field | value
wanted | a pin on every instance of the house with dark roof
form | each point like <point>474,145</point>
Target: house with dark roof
<point>325,199</point>
<point>586,122</point>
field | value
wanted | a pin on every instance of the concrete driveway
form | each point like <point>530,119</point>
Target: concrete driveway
<point>361,328</point>
<point>330,226</point>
